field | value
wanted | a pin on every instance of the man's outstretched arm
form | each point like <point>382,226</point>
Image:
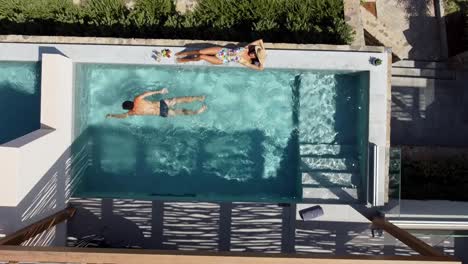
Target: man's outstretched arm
<point>146,94</point>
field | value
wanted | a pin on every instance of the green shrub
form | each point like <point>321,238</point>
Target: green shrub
<point>452,6</point>
<point>265,25</point>
<point>21,11</point>
<point>306,21</point>
<point>219,14</point>
<point>105,12</point>
<point>151,12</point>
<point>275,20</point>
<point>46,17</point>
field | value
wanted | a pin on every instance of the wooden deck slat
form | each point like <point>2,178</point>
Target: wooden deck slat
<point>98,255</point>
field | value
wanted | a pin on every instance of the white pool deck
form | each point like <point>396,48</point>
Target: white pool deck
<point>25,160</point>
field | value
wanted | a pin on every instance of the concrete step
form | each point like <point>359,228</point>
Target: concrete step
<point>340,195</point>
<point>420,64</point>
<point>417,82</point>
<point>421,82</point>
<point>425,73</point>
<point>325,149</point>
<point>329,179</point>
<point>385,34</point>
<point>319,164</point>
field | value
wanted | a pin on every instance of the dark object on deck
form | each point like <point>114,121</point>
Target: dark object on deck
<point>378,231</point>
<point>375,61</point>
<point>311,212</point>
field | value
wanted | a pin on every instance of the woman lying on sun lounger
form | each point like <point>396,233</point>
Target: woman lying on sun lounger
<point>251,56</point>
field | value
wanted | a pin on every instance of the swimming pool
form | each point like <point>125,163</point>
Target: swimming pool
<point>261,133</point>
<point>19,99</point>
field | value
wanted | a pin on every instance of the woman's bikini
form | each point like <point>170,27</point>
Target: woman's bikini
<point>234,55</point>
<point>230,55</point>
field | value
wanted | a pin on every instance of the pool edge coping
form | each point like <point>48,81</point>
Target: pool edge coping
<point>388,125</point>
<point>175,42</point>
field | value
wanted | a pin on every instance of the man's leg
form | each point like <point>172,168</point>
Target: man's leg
<point>176,112</point>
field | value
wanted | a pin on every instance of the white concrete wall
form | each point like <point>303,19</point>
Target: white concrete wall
<point>26,160</point>
<point>9,166</point>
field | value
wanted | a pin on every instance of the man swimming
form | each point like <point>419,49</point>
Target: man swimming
<point>164,108</point>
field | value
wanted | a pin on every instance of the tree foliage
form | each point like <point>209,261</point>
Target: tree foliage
<point>306,21</point>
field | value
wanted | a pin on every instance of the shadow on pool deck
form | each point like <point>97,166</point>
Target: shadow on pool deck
<point>245,227</point>
<point>431,116</point>
<point>178,226</point>
<point>203,45</point>
<point>419,24</point>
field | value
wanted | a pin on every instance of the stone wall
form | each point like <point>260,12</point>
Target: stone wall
<point>352,14</point>
<point>173,42</point>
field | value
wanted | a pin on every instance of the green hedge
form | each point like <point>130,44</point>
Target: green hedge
<point>305,21</point>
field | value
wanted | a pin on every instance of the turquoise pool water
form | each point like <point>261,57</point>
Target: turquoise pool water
<point>245,147</point>
<point>20,103</point>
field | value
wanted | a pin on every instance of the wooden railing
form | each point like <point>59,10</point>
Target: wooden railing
<point>38,227</point>
<point>408,239</point>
